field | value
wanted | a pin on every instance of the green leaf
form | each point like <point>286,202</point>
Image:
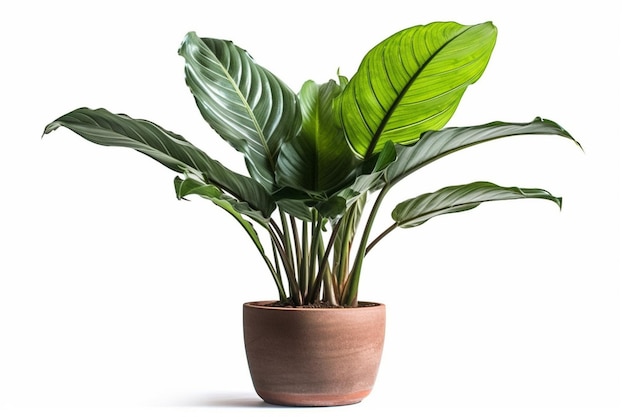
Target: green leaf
<point>319,159</point>
<point>190,186</point>
<point>105,128</point>
<point>437,144</point>
<point>243,102</point>
<point>370,177</point>
<point>332,208</point>
<point>297,208</point>
<point>412,82</point>
<point>454,199</point>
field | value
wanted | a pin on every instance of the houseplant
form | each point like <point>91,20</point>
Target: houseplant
<point>314,158</point>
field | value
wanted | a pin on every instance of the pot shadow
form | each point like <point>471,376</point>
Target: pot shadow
<point>225,400</point>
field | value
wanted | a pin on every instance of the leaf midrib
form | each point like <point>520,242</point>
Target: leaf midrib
<point>396,102</point>
<point>249,110</point>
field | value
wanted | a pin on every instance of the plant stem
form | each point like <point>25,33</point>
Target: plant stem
<point>380,237</point>
<point>350,296</point>
<point>324,273</point>
<point>296,242</point>
<point>304,264</point>
<point>291,276</point>
<point>342,263</point>
<point>287,240</point>
<point>315,238</point>
<point>276,274</point>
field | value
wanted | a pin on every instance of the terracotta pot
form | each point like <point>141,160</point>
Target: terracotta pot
<point>313,356</point>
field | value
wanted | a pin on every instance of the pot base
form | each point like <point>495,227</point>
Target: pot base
<point>312,400</point>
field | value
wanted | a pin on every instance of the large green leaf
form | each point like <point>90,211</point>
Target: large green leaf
<point>454,199</point>
<point>105,128</point>
<point>437,144</point>
<point>319,159</point>
<point>243,102</point>
<point>412,82</point>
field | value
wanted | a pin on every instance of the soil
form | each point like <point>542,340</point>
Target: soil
<point>319,304</point>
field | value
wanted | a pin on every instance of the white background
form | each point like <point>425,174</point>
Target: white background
<point>117,299</point>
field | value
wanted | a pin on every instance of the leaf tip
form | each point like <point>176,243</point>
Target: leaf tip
<point>559,202</point>
<point>50,127</point>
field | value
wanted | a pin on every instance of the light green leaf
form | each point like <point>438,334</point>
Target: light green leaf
<point>437,144</point>
<point>412,82</point>
<point>318,160</point>
<point>454,199</point>
<point>243,102</point>
<point>105,128</point>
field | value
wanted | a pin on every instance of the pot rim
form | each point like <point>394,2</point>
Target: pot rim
<point>263,305</point>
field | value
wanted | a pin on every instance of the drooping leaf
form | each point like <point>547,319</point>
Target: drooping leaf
<point>437,144</point>
<point>318,160</point>
<point>105,128</point>
<point>412,82</point>
<point>454,199</point>
<point>191,186</point>
<point>243,102</point>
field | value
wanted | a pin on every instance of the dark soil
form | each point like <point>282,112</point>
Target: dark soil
<point>319,304</point>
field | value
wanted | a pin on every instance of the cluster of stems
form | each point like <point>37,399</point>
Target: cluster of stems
<point>317,266</point>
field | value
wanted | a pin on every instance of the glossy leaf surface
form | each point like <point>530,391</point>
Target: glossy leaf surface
<point>437,144</point>
<point>319,159</point>
<point>412,82</point>
<point>454,199</point>
<point>105,128</point>
<point>243,102</point>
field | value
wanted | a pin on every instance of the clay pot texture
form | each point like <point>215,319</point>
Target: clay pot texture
<point>313,356</point>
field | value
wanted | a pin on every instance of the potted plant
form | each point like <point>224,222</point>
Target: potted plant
<point>314,159</point>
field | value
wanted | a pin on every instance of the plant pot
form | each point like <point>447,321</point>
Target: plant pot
<point>313,356</point>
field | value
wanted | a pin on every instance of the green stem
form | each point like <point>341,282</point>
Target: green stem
<point>324,273</point>
<point>287,240</point>
<point>304,264</point>
<point>315,238</point>
<point>291,276</point>
<point>296,242</point>
<point>345,245</point>
<point>276,274</point>
<point>350,296</point>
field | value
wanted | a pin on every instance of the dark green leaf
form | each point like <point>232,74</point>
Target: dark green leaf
<point>454,199</point>
<point>190,186</point>
<point>319,159</point>
<point>297,208</point>
<point>332,208</point>
<point>436,144</point>
<point>105,128</point>
<point>370,177</point>
<point>245,103</point>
